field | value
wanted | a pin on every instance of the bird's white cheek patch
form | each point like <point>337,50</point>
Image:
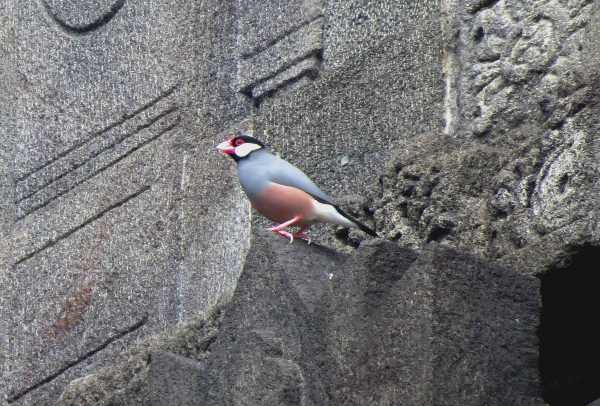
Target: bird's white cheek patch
<point>245,149</point>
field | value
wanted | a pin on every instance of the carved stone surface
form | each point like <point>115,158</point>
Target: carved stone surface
<point>107,164</point>
<point>279,42</point>
<point>362,110</point>
<point>516,63</point>
<point>491,199</point>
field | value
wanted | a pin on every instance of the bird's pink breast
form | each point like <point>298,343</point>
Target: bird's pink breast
<point>281,203</point>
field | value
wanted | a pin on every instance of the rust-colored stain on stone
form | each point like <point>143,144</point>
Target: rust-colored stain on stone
<point>73,310</point>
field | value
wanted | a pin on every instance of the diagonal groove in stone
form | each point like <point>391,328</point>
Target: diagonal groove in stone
<point>73,178</point>
<point>273,42</point>
<point>33,189</point>
<point>122,121</point>
<point>18,395</point>
<point>295,47</point>
<point>98,216</point>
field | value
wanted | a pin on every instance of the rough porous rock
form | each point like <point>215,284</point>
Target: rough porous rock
<point>308,325</point>
<point>489,198</point>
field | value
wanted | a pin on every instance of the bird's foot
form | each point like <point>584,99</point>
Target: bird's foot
<point>300,234</point>
<point>279,229</point>
<point>303,237</point>
<point>282,232</point>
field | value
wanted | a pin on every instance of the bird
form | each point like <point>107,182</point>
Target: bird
<point>281,192</point>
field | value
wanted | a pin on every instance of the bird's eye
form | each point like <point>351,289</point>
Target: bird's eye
<point>239,142</point>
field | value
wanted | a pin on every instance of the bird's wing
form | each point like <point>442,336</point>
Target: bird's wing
<point>284,173</point>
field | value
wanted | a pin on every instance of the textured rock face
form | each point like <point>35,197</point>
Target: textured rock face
<point>492,199</point>
<point>465,124</point>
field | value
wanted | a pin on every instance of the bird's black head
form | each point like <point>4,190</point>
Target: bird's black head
<point>240,147</point>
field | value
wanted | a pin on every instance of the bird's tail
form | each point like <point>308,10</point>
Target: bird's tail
<point>360,225</point>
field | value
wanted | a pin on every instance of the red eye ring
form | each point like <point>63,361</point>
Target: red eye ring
<point>239,142</point>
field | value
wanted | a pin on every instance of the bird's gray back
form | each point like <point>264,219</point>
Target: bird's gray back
<point>262,167</point>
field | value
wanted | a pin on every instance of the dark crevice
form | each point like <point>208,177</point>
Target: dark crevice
<point>562,182</point>
<point>82,225</point>
<point>480,5</point>
<point>85,29</point>
<point>577,108</point>
<point>570,320</point>
<point>438,233</point>
<point>479,35</point>
<point>79,360</point>
<point>312,73</point>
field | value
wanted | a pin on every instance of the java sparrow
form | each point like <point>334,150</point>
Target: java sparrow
<point>281,192</point>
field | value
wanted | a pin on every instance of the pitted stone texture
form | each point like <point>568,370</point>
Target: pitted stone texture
<point>173,380</point>
<point>361,110</point>
<point>492,199</point>
<point>513,63</point>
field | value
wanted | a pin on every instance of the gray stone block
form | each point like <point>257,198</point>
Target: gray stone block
<point>167,369</point>
<point>110,182</point>
<point>447,329</point>
<point>281,56</point>
<point>271,345</point>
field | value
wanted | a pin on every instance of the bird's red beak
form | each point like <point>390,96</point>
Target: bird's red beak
<point>226,147</point>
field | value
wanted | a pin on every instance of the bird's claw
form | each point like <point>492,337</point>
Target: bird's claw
<point>303,237</point>
<point>282,232</point>
<point>299,234</point>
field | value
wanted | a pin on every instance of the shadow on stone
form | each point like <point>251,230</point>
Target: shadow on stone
<point>382,326</point>
<point>568,332</point>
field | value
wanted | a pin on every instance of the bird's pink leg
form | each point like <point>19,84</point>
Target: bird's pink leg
<point>280,228</point>
<point>299,234</point>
